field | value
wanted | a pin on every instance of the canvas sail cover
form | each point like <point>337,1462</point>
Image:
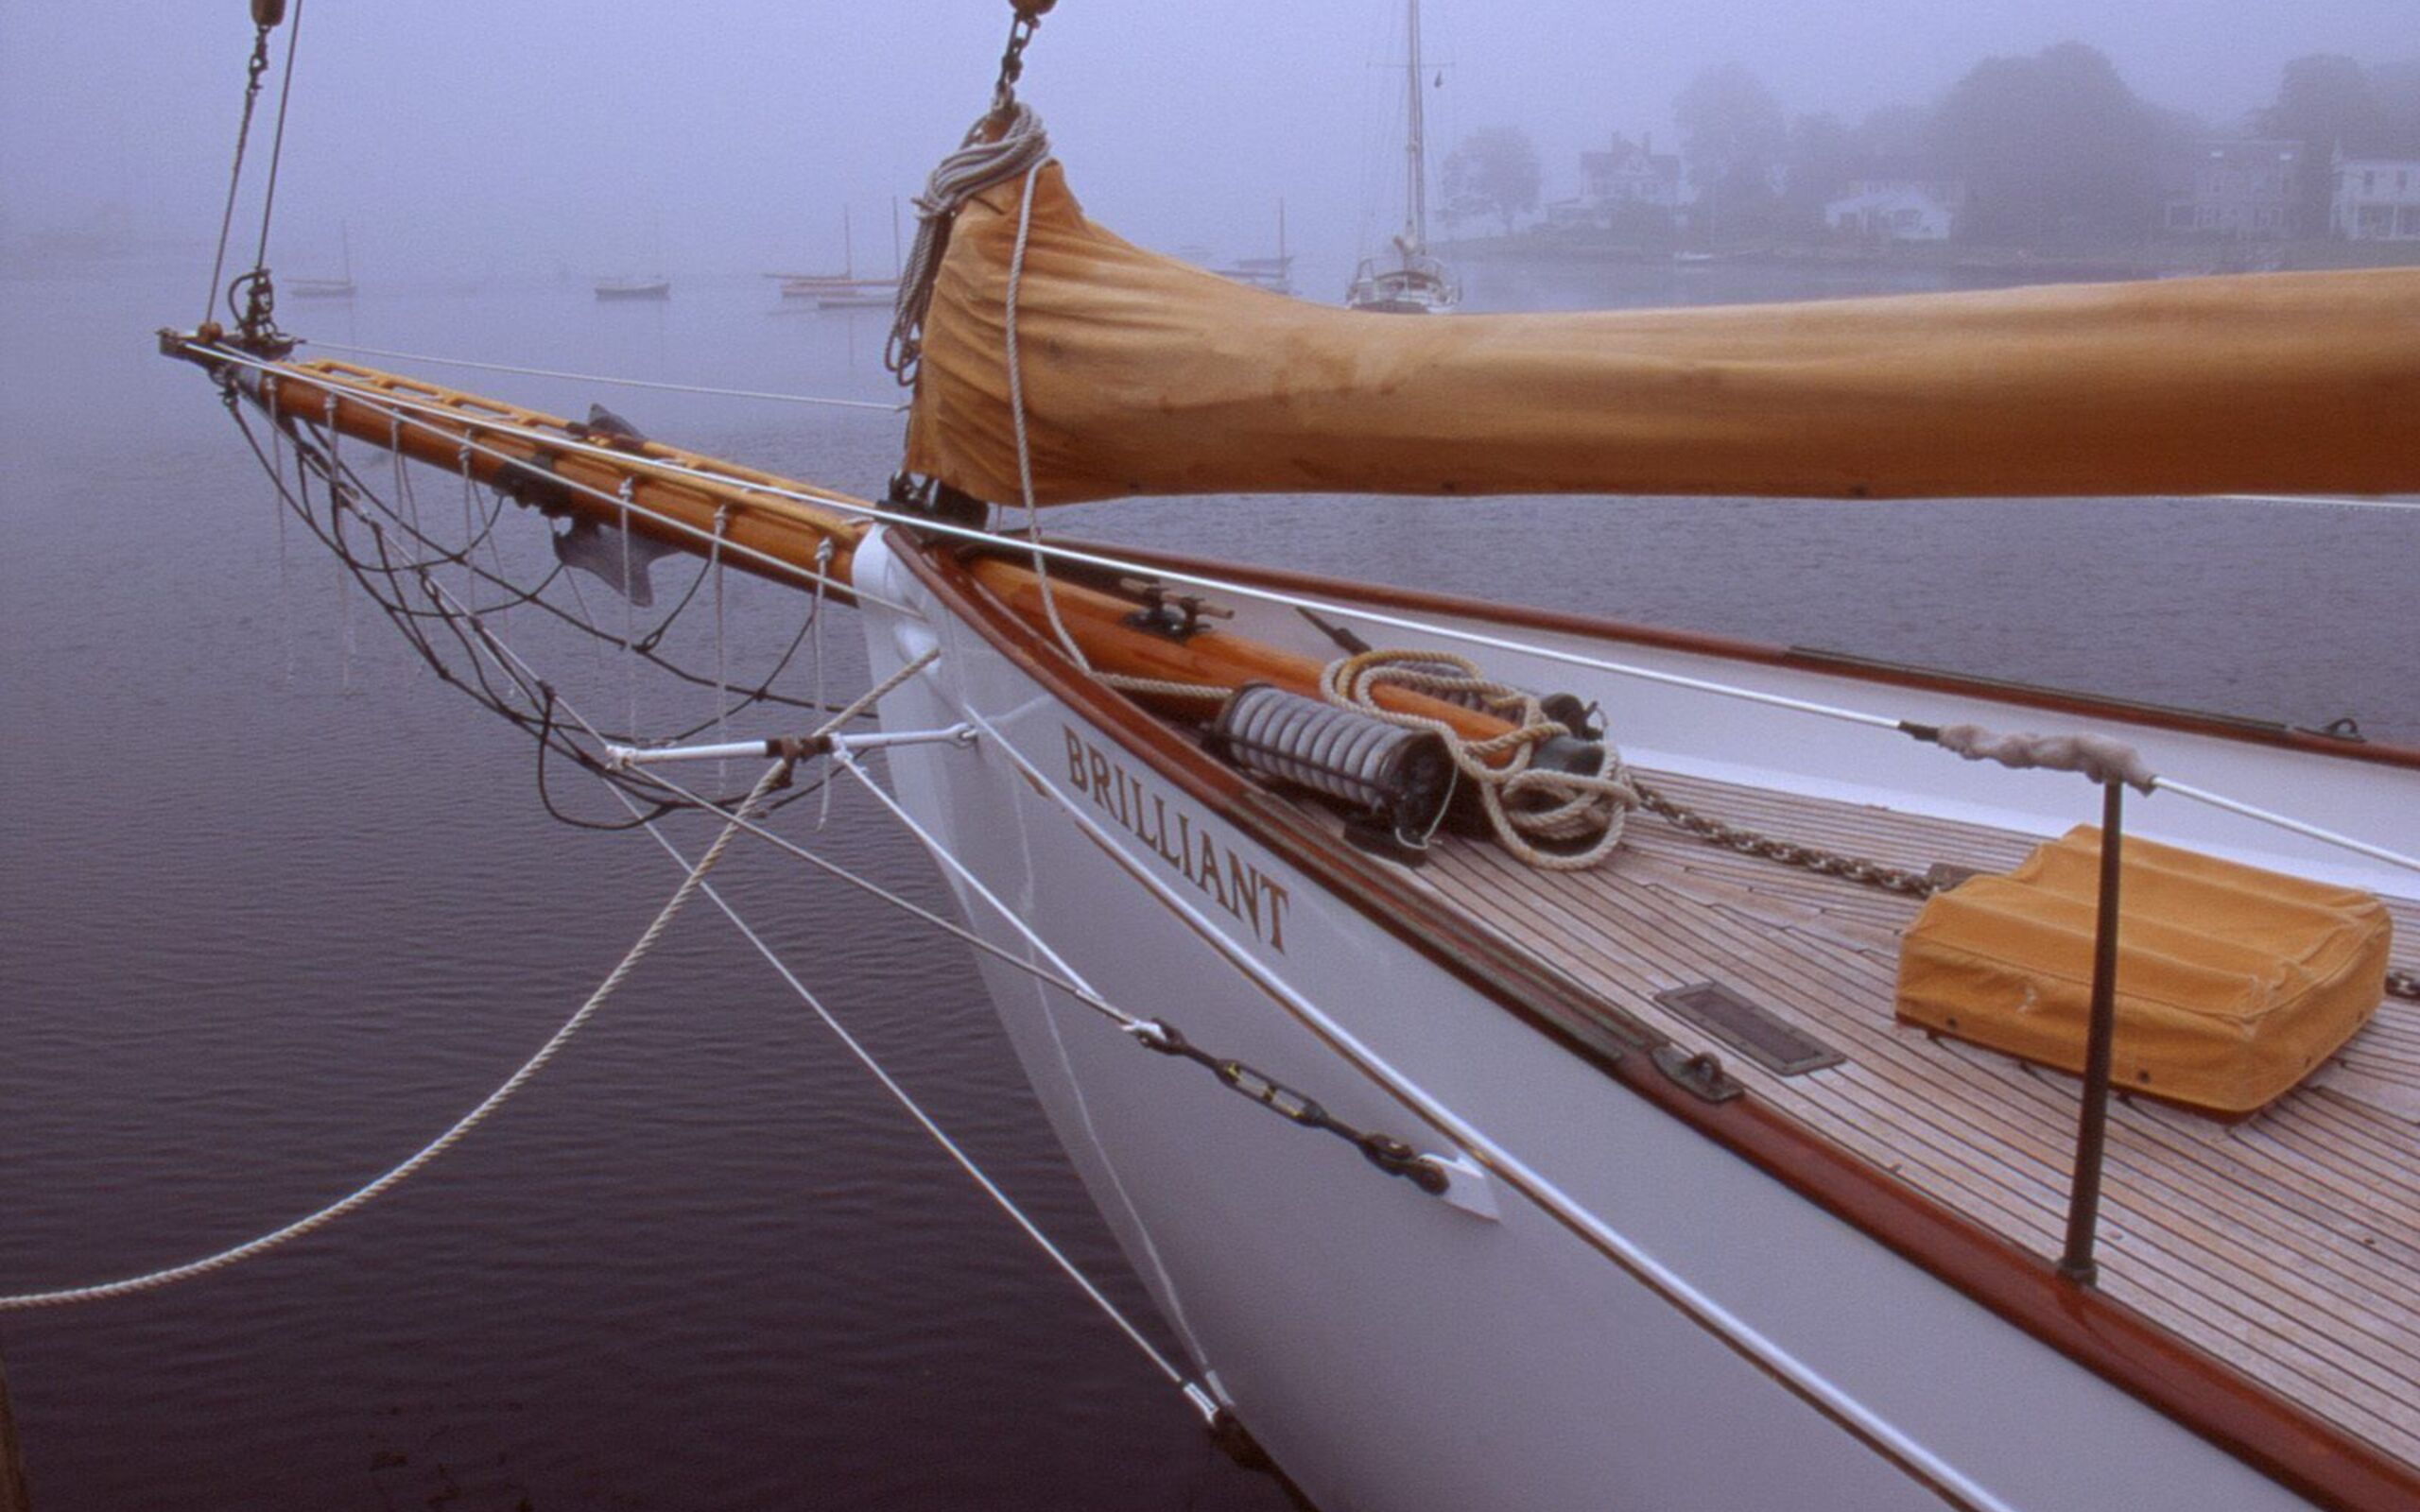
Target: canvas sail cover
<point>1142,375</point>
<point>2233,983</point>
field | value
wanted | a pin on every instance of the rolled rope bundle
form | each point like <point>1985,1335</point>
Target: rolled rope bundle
<point>988,156</point>
<point>1549,818</point>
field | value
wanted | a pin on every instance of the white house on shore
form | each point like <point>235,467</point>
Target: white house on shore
<point>2377,199</point>
<point>1899,209</point>
<point>1628,183</point>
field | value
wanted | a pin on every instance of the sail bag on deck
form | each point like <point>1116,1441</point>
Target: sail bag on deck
<point>2234,983</point>
<point>1142,375</point>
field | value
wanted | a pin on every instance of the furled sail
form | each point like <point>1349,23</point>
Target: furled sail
<point>1142,375</point>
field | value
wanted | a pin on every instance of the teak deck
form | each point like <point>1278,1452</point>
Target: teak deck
<point>2288,1243</point>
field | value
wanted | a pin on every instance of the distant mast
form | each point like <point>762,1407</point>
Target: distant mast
<point>1405,279</point>
<point>1415,200</point>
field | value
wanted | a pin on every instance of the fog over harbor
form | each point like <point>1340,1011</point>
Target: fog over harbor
<point>277,904</point>
<point>461,141</point>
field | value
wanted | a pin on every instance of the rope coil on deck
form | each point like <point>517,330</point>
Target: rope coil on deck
<point>1551,818</point>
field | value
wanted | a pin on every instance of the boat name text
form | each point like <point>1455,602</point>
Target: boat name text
<point>1246,892</point>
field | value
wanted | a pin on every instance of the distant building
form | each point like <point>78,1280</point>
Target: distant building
<point>1629,184</point>
<point>1950,193</point>
<point>1897,210</point>
<point>2235,189</point>
<point>2377,199</point>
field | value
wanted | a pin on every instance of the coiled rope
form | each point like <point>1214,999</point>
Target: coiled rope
<point>1548,819</point>
<point>996,150</point>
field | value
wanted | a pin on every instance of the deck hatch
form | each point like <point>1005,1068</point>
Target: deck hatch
<point>1750,1028</point>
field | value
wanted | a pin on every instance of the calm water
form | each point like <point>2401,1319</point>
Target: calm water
<point>278,911</point>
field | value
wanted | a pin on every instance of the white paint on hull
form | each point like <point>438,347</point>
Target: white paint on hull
<point>1391,1351</point>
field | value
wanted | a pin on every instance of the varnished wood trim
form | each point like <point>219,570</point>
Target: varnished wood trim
<point>2195,1388</point>
<point>1414,601</point>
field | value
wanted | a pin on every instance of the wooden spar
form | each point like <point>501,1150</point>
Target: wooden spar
<point>346,398</point>
<point>1096,623</point>
<point>442,421</point>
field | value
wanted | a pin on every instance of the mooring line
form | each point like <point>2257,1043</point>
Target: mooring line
<point>1195,1393</point>
<point>362,1196</point>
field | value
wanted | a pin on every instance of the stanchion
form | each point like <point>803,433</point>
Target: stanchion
<point>2092,1122</point>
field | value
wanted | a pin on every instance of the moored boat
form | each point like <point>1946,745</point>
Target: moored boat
<point>1407,279</point>
<point>653,288</point>
<point>1608,1117</point>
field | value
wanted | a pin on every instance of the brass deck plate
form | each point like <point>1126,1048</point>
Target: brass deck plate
<point>1781,1048</point>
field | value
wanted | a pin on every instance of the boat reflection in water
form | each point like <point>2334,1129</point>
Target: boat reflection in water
<point>1584,976</point>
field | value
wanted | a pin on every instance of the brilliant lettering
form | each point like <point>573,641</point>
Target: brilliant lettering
<point>1167,831</point>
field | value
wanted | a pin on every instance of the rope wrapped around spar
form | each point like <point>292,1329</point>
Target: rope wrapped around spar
<point>997,148</point>
<point>1545,811</point>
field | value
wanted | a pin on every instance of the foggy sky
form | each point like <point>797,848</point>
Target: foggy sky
<point>597,136</point>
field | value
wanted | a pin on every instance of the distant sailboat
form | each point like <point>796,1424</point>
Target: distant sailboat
<point>1275,274</point>
<point>1408,281</point>
<point>844,290</point>
<point>328,288</point>
<point>641,286</point>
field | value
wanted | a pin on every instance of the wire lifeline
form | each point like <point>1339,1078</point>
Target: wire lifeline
<point>1392,621</point>
<point>463,428</point>
<point>622,382</point>
<point>1200,1400</point>
<point>253,71</point>
<point>362,1196</point>
<point>277,138</point>
<point>1736,1333</point>
<point>1386,1152</point>
<point>1276,596</point>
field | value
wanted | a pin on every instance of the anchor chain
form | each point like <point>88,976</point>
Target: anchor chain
<point>1385,1151</point>
<point>254,73</point>
<point>1826,863</point>
<point>2400,983</point>
<point>1021,31</point>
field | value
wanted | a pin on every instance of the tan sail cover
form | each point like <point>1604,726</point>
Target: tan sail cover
<point>2234,983</point>
<point>1142,375</point>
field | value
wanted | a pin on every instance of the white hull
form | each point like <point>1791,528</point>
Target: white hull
<point>1647,1323</point>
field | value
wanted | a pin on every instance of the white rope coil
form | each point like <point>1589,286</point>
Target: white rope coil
<point>1554,820</point>
<point>984,160</point>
